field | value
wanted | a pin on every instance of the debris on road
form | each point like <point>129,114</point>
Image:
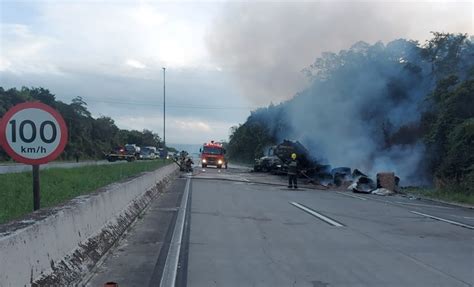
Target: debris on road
<point>364,184</point>
<point>318,174</point>
<point>341,176</point>
<point>382,191</point>
<point>387,180</point>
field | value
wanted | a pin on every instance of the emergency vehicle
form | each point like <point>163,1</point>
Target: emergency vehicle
<point>213,153</point>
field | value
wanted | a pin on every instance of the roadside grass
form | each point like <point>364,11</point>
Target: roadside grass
<point>59,185</point>
<point>448,194</point>
<point>10,162</point>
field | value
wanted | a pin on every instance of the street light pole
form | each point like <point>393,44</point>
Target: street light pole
<point>164,112</point>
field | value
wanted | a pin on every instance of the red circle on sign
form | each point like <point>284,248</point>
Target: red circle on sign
<point>33,105</point>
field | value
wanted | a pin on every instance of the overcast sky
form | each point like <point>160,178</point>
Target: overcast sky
<point>223,58</point>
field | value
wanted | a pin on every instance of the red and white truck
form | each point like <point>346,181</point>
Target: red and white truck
<point>213,153</point>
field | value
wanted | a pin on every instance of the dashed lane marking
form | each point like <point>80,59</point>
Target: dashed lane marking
<point>444,220</point>
<point>351,195</point>
<point>316,214</point>
<point>424,205</point>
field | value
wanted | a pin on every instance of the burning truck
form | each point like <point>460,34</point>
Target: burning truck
<point>277,158</point>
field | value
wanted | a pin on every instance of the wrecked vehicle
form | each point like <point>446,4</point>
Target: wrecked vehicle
<point>279,155</point>
<point>269,163</point>
<point>308,166</point>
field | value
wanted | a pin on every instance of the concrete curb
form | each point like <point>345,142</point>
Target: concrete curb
<point>60,245</point>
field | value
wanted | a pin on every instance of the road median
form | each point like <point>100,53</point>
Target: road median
<point>57,246</point>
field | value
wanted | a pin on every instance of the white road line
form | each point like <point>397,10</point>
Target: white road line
<point>445,220</point>
<point>168,279</point>
<point>351,195</point>
<point>318,215</point>
<point>425,205</point>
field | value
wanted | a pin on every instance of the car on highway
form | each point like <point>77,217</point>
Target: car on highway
<point>132,149</point>
<point>148,152</point>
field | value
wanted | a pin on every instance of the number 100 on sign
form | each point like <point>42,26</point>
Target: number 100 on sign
<point>33,133</point>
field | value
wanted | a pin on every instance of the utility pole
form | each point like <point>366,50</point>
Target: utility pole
<point>164,113</point>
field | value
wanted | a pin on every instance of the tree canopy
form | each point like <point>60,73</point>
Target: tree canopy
<point>88,136</point>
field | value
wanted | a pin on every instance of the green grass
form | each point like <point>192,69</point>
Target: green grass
<point>450,194</point>
<point>59,185</point>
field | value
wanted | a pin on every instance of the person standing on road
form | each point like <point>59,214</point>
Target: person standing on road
<point>293,172</point>
<point>189,165</point>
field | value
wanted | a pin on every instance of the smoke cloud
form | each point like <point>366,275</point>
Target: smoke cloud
<point>352,118</point>
<point>265,45</point>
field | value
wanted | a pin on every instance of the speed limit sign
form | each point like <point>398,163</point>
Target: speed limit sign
<point>33,133</point>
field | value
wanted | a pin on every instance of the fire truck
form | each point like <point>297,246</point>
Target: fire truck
<point>213,153</point>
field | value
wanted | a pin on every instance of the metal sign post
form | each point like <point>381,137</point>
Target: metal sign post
<point>36,187</point>
<point>33,133</point>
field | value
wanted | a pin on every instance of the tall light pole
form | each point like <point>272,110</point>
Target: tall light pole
<point>164,112</point>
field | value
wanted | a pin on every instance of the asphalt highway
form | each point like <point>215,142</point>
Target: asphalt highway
<point>236,228</point>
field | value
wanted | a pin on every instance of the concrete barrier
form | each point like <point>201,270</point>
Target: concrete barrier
<point>58,246</point>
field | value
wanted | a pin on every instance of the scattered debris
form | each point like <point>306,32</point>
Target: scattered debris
<point>312,181</point>
<point>319,174</point>
<point>382,191</point>
<point>364,185</point>
<point>341,176</point>
<point>386,180</point>
<point>356,173</point>
<point>352,186</point>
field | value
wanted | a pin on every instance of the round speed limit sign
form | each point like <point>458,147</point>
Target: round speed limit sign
<point>33,133</point>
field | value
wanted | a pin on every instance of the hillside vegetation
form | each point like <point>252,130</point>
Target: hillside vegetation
<point>401,106</point>
<point>88,136</point>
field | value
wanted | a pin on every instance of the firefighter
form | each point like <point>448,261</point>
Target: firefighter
<point>293,172</point>
<point>189,164</point>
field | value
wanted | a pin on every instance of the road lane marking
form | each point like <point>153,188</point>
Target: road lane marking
<point>444,220</point>
<point>351,195</point>
<point>425,205</point>
<point>168,278</point>
<point>316,214</point>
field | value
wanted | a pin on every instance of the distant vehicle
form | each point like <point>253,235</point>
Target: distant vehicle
<point>133,149</point>
<point>172,155</point>
<point>119,153</point>
<point>213,153</point>
<point>148,152</point>
<point>162,153</point>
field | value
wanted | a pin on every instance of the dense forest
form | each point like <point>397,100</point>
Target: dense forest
<point>88,137</point>
<point>402,106</point>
